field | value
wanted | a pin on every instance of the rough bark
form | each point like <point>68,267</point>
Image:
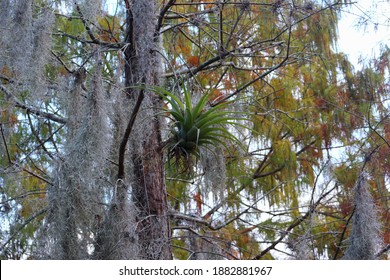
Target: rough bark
<point>142,233</point>
<point>148,188</point>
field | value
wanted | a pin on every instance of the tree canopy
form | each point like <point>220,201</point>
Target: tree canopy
<point>214,129</point>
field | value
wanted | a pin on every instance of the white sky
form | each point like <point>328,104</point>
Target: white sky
<point>364,42</point>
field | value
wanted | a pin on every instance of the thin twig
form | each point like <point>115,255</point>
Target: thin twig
<point>294,224</point>
<point>22,226</point>
<point>32,110</point>
<point>5,144</point>
<point>23,195</point>
<point>35,133</point>
<point>272,69</point>
<point>62,62</point>
<point>343,233</point>
<point>33,174</point>
<point>383,250</point>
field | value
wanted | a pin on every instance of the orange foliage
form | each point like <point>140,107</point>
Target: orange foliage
<point>342,97</point>
<point>325,135</point>
<point>3,115</point>
<point>386,237</point>
<point>387,130</point>
<point>210,4</point>
<point>216,95</point>
<point>6,72</point>
<point>13,119</point>
<point>107,37</point>
<point>7,117</point>
<point>346,207</point>
<point>199,202</point>
<point>316,153</point>
<point>246,230</point>
<point>193,60</point>
<point>109,29</point>
<point>321,103</point>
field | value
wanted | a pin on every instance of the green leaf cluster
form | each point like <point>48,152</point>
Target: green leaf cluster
<point>195,126</point>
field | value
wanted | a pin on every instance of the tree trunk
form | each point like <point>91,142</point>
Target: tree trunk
<point>147,175</point>
<point>137,224</point>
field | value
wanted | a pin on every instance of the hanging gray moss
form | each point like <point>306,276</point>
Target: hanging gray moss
<point>364,240</point>
<point>28,47</point>
<point>78,190</point>
<point>214,168</point>
<point>301,245</point>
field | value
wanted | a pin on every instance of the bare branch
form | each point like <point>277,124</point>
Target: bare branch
<point>294,224</point>
<point>23,195</point>
<point>62,62</point>
<point>36,135</point>
<point>31,218</point>
<point>260,76</point>
<point>383,250</point>
<point>343,233</point>
<point>33,174</point>
<point>125,139</point>
<point>36,112</point>
<point>161,16</point>
<point>5,144</point>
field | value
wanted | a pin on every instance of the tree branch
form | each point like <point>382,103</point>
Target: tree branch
<point>125,139</point>
<point>115,46</point>
<point>36,112</point>
<point>383,250</point>
<point>62,62</point>
<point>23,195</point>
<point>343,233</point>
<point>272,69</point>
<point>276,170</point>
<point>22,226</point>
<point>33,174</point>
<point>35,133</point>
<point>161,16</point>
<point>294,224</point>
<point>5,144</point>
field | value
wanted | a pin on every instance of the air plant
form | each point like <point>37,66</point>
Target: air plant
<point>196,126</point>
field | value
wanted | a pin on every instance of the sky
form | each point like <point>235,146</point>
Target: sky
<point>360,42</point>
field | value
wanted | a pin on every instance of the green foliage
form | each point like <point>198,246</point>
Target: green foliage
<point>180,253</point>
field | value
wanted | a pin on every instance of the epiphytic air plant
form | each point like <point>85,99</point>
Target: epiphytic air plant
<point>196,126</point>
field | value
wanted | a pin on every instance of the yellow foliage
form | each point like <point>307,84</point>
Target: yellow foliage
<point>110,29</point>
<point>5,74</point>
